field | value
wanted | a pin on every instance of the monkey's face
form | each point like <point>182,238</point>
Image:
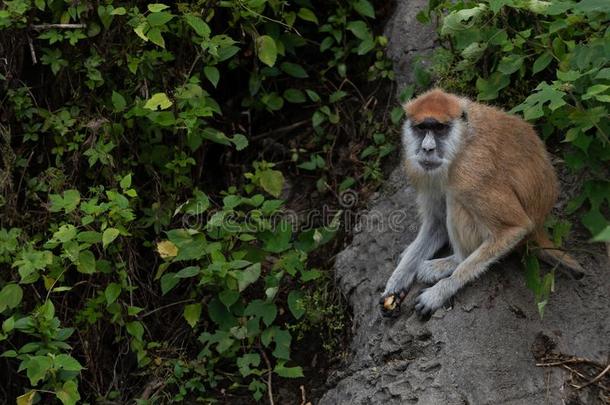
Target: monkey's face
<point>427,141</point>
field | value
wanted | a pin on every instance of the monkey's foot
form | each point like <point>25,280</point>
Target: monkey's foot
<point>433,298</point>
<point>431,271</point>
<point>390,303</point>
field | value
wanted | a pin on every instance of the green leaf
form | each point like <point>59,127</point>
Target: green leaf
<point>278,240</point>
<point>272,181</point>
<point>228,297</point>
<point>542,62</point>
<point>307,15</point>
<point>118,101</point>
<point>109,235</point>
<point>197,205</point>
<point>359,29</point>
<point>156,7</point>
<point>313,96</point>
<point>337,95</point>
<point>366,46</point>
<point>364,8</point>
<point>67,202</point>
<point>240,141</point>
<point>10,296</point>
<point>192,313</point>
<point>212,74</point>
<point>67,362</point>
<point>396,115</point>
<point>288,372</point>
<point>262,309</point>
<point>141,30</point>
<point>510,64</point>
<point>603,236</point>
<point>154,34</point>
<point>168,282</point>
<point>105,16</point>
<point>159,19</point>
<point>591,6</point>
<point>112,292</point>
<point>247,276</point>
<point>595,90</point>
<point>489,88</point>
<point>86,262</point>
<point>282,340</point>
<point>37,367</point>
<point>532,274</point>
<point>294,70</point>
<point>187,272</point>
<point>294,96</point>
<point>201,28</point>
<point>118,11</point>
<point>266,50</point>
<point>68,393</point>
<point>458,21</point>
<point>244,362</point>
<point>135,329</point>
<point>158,101</point>
<point>295,303</point>
<point>273,101</point>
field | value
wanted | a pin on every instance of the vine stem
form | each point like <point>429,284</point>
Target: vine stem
<point>269,372</point>
<point>40,27</point>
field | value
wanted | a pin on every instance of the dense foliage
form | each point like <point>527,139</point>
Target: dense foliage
<point>550,62</point>
<point>144,250</point>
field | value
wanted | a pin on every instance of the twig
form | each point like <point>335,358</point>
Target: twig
<point>40,27</point>
<point>287,128</point>
<point>151,387</point>
<point>270,370</point>
<point>596,379</point>
<point>164,307</point>
<point>32,51</point>
<point>567,361</point>
<point>571,370</point>
<point>303,397</point>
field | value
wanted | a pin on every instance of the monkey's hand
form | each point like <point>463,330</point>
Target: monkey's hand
<point>390,303</point>
<point>434,297</point>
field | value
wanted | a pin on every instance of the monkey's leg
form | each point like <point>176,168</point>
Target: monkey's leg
<point>431,237</point>
<point>430,271</point>
<point>476,264</point>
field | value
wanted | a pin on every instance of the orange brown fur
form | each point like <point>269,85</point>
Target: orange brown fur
<point>435,103</point>
<point>501,179</point>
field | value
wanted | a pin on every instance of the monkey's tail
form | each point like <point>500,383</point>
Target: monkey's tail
<point>548,253</point>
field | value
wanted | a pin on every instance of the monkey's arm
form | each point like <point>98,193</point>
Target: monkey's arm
<point>431,237</point>
<point>476,264</point>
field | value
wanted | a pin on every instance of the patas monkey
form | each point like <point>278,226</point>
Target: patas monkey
<point>484,184</point>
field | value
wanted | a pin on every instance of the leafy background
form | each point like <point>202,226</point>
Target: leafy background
<point>151,152</point>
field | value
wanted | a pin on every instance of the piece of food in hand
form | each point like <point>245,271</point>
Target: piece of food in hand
<point>390,302</point>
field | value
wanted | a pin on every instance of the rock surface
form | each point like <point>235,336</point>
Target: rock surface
<point>410,41</point>
<point>478,352</point>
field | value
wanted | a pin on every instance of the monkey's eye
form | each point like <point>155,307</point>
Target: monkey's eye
<point>441,129</point>
<point>431,125</point>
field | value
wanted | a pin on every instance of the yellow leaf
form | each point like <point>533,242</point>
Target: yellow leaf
<point>167,249</point>
<point>27,398</point>
<point>48,282</point>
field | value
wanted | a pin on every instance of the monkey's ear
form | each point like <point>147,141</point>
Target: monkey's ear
<point>464,115</point>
